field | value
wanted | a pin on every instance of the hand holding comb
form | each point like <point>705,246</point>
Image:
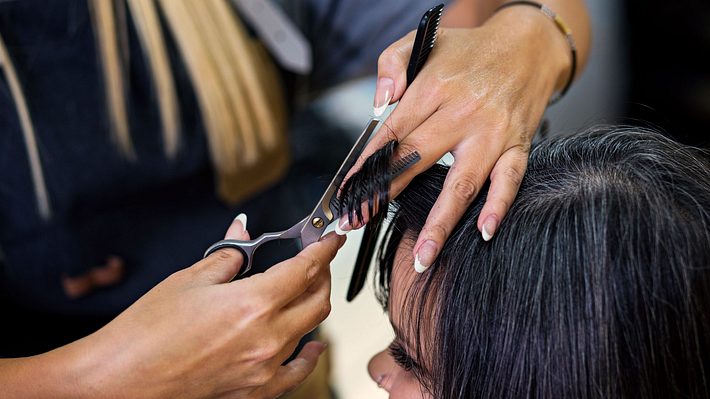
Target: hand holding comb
<point>423,44</point>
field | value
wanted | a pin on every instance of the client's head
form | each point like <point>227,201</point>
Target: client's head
<point>597,284</point>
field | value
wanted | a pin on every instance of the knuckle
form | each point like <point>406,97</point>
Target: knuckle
<point>496,122</point>
<point>465,109</point>
<point>524,147</point>
<point>266,350</point>
<point>513,174</point>
<point>261,377</point>
<point>226,255</point>
<point>251,310</point>
<point>465,188</point>
<point>387,58</point>
<point>499,126</point>
<point>311,267</point>
<point>324,311</point>
<point>436,88</point>
<point>438,232</point>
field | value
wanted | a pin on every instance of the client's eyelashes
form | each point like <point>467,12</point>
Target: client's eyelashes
<point>401,357</point>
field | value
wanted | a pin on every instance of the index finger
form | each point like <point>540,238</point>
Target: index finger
<point>415,108</point>
<point>287,280</point>
<point>392,64</point>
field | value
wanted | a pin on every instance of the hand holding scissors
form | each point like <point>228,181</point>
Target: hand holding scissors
<point>327,210</point>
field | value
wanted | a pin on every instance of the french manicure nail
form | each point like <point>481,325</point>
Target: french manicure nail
<point>489,228</point>
<point>383,95</point>
<point>343,227</point>
<point>242,218</point>
<point>425,256</point>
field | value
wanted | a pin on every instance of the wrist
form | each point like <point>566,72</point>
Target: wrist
<point>63,372</point>
<point>50,374</point>
<point>540,35</point>
<point>82,369</point>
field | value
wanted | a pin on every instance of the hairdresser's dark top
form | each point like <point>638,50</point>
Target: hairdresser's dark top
<point>158,215</point>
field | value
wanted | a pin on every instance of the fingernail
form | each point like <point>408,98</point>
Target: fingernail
<point>383,95</point>
<point>242,218</point>
<point>343,227</point>
<point>489,228</point>
<point>329,236</point>
<point>425,256</point>
<point>358,224</point>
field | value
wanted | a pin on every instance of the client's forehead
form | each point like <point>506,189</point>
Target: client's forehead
<point>402,278</point>
<point>407,311</point>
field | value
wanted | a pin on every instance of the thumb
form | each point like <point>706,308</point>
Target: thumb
<point>392,73</point>
<point>223,265</point>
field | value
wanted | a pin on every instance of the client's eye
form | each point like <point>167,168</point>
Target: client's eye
<point>401,357</point>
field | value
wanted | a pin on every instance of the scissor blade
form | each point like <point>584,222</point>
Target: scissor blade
<point>323,214</point>
<point>354,153</point>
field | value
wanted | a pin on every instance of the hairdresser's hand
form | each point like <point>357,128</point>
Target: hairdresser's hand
<point>196,334</point>
<point>480,96</point>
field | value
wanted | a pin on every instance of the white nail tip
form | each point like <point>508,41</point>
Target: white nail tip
<point>418,267</point>
<point>340,231</point>
<point>486,235</point>
<point>242,217</point>
<point>380,110</point>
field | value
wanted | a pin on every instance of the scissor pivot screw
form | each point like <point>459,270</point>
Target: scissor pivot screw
<point>318,223</point>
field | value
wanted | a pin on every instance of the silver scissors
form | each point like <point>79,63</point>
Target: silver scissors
<point>311,228</point>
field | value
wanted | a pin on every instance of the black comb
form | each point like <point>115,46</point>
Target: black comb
<point>424,41</point>
<point>423,44</point>
<point>397,168</point>
<point>372,232</point>
<point>404,163</point>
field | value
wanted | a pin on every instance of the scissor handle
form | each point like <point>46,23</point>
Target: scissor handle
<point>247,249</point>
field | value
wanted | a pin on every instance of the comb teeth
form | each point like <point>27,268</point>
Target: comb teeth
<point>424,41</point>
<point>396,168</point>
<point>404,163</point>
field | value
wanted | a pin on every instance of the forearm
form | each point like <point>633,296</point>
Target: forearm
<point>53,374</point>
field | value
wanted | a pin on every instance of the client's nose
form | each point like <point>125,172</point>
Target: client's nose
<point>380,368</point>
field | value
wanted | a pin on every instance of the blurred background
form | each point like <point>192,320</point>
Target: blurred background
<point>648,66</point>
